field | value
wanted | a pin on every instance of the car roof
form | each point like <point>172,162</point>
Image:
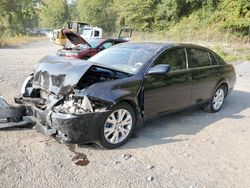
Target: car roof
<point>165,45</point>
<point>107,39</point>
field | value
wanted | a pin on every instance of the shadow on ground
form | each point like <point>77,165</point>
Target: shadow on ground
<point>164,130</point>
<point>187,123</point>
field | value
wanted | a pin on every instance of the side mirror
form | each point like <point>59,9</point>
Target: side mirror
<point>162,69</point>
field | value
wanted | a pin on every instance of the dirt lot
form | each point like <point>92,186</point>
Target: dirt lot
<point>191,149</point>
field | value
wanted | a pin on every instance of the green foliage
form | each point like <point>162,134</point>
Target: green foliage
<point>236,14</point>
<point>16,16</point>
<point>97,12</point>
<point>136,13</point>
<point>143,15</point>
<point>53,13</point>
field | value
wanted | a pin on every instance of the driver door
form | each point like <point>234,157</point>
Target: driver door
<point>171,91</point>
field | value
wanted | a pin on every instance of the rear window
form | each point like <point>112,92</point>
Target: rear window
<point>198,58</point>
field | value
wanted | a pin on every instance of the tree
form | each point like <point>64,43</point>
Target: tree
<point>97,12</point>
<point>16,16</point>
<point>139,14</point>
<point>53,13</point>
<point>236,14</point>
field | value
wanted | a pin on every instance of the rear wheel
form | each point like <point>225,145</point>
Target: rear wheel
<point>117,126</point>
<point>217,100</point>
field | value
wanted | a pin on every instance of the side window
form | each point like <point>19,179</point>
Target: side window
<point>198,58</point>
<point>176,58</point>
<point>213,60</point>
<point>107,45</point>
<point>96,33</point>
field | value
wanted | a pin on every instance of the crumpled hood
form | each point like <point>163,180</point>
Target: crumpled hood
<point>59,75</point>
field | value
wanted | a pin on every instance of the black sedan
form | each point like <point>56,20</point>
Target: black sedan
<point>104,99</point>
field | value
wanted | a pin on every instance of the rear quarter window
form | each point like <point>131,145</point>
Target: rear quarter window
<point>213,59</point>
<point>220,60</point>
<point>198,58</point>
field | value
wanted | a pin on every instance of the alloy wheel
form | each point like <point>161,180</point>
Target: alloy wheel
<point>118,126</point>
<point>218,99</point>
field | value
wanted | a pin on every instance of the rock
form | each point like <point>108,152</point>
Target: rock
<point>126,156</point>
<point>204,140</point>
<point>116,162</point>
<point>150,166</point>
<point>186,155</point>
<point>150,178</point>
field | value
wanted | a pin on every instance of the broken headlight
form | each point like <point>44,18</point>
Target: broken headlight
<point>27,85</point>
<point>75,105</point>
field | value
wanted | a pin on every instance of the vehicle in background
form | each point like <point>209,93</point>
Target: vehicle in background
<point>76,26</point>
<point>125,33</point>
<point>39,32</point>
<point>81,48</point>
<point>58,37</point>
<point>85,30</point>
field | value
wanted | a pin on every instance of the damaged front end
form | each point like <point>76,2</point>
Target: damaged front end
<point>55,100</point>
<point>69,118</point>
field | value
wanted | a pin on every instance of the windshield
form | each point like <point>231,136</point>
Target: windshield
<point>95,42</point>
<point>85,31</point>
<point>127,58</point>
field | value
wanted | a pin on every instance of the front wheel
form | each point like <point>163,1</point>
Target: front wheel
<point>217,100</point>
<point>117,126</point>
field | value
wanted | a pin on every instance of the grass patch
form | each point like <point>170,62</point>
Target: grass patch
<point>233,53</point>
<point>19,40</point>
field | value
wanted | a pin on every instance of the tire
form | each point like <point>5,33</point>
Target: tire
<point>217,100</point>
<point>117,131</point>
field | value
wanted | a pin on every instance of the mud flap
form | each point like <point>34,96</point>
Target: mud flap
<point>12,116</point>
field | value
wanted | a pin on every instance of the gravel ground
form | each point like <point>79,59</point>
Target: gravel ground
<point>191,149</point>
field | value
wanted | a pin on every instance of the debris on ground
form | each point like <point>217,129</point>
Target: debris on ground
<point>79,158</point>
<point>116,162</point>
<point>126,156</point>
<point>150,167</point>
<point>150,178</point>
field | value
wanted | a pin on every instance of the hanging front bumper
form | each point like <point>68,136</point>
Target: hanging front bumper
<point>12,116</point>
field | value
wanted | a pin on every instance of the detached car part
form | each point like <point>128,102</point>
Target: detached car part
<point>12,116</point>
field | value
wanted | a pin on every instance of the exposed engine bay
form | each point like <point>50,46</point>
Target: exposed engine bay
<point>98,74</point>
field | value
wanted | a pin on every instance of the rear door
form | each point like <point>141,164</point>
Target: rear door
<point>165,93</point>
<point>203,75</point>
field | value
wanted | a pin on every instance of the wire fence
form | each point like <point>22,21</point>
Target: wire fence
<point>228,42</point>
<point>191,35</point>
